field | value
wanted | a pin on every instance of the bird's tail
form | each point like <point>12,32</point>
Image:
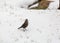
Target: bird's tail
<point>19,27</point>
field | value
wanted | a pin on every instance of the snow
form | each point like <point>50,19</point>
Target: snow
<point>54,5</point>
<point>44,25</point>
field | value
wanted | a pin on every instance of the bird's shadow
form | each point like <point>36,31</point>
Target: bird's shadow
<point>24,30</point>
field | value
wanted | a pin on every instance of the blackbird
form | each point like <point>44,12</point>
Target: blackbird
<point>24,25</point>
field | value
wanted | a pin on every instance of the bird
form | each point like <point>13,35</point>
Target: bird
<point>42,5</point>
<point>24,25</point>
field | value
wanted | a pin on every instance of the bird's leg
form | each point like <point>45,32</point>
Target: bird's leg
<point>24,25</point>
<point>24,30</point>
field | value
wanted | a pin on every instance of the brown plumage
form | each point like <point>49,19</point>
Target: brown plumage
<point>24,25</point>
<point>44,4</point>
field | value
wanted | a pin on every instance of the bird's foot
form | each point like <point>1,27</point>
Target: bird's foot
<point>24,30</point>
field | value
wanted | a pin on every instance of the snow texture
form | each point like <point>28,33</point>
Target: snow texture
<point>44,25</point>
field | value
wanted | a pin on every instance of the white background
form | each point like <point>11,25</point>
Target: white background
<point>44,25</point>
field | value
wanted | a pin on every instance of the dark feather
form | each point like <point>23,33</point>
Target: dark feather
<point>24,25</point>
<point>59,8</point>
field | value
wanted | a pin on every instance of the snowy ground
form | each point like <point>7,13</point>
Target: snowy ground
<point>44,25</point>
